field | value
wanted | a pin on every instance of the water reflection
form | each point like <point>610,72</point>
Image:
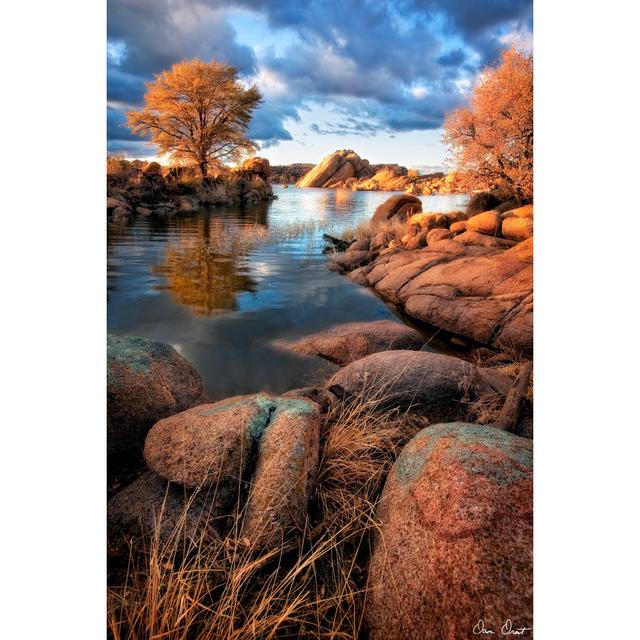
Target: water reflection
<point>200,283</point>
<point>206,269</point>
<point>344,197</point>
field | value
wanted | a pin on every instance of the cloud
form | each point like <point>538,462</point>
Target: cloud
<point>394,66</point>
<point>350,127</point>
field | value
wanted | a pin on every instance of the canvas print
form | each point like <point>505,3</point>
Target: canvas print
<point>320,319</point>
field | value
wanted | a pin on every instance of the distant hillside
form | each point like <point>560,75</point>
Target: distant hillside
<point>289,173</point>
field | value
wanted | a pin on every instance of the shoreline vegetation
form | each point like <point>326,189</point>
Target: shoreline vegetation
<point>394,500</point>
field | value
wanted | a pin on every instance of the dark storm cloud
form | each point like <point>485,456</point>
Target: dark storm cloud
<point>396,65</point>
<point>479,24</point>
<point>474,18</point>
<point>453,58</point>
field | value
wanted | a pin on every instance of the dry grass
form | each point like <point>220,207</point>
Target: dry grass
<point>229,239</point>
<point>366,229</point>
<point>116,164</point>
<point>312,587</point>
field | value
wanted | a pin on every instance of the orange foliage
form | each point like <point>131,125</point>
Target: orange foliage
<point>492,139</point>
<point>198,113</point>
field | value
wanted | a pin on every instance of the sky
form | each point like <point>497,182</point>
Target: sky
<point>377,77</point>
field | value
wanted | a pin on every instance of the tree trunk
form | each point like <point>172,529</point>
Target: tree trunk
<point>203,169</point>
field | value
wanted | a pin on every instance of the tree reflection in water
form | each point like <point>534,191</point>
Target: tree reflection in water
<point>206,268</point>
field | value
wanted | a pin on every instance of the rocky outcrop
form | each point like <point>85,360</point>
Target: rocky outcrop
<point>347,170</point>
<point>455,542</point>
<point>349,342</point>
<point>146,381</point>
<point>389,178</point>
<point>476,285</point>
<point>335,169</point>
<point>149,189</point>
<point>417,380</point>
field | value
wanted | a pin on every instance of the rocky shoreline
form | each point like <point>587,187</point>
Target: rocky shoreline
<point>470,275</point>
<point>149,189</point>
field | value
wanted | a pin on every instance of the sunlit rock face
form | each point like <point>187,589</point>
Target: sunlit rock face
<point>337,169</point>
<point>259,166</point>
<point>345,169</point>
<point>455,541</point>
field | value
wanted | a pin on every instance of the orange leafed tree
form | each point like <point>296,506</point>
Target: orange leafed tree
<point>197,113</point>
<point>492,139</point>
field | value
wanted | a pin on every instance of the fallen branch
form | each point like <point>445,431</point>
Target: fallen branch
<point>338,243</point>
<point>341,393</point>
<point>510,412</point>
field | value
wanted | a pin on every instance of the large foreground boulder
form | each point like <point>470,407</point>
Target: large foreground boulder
<point>348,342</point>
<point>208,445</point>
<point>146,381</point>
<point>415,379</point>
<point>215,445</point>
<point>455,545</point>
<point>285,474</point>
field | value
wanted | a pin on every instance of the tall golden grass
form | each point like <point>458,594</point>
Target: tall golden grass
<point>366,229</point>
<point>223,587</point>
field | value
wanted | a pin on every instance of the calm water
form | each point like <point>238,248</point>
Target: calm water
<point>194,282</point>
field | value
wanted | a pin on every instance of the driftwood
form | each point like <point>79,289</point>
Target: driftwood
<point>338,243</point>
<point>510,412</point>
<point>341,393</point>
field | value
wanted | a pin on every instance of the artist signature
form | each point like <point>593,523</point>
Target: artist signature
<point>507,629</point>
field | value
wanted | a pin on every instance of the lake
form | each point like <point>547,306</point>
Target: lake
<point>222,285</point>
